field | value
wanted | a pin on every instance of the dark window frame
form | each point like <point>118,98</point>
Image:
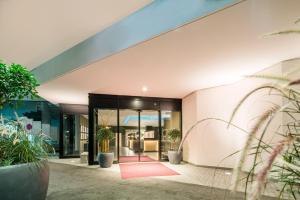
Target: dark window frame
<point>106,101</point>
<point>69,109</point>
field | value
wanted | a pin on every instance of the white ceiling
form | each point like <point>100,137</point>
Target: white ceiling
<point>34,31</point>
<point>216,50</point>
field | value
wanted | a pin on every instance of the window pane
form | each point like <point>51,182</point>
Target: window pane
<point>75,135</point>
<point>37,116</point>
<point>170,120</point>
<point>149,143</point>
<point>129,136</point>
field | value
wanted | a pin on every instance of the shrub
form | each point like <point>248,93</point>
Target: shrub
<point>18,146</point>
<point>104,136</point>
<point>174,135</point>
<point>16,83</point>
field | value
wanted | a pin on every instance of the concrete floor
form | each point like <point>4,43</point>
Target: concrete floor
<point>69,182</point>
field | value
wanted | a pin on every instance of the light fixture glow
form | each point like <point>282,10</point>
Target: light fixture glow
<point>228,173</point>
<point>144,89</point>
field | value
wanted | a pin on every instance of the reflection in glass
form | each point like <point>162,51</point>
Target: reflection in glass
<point>170,121</point>
<point>139,136</point>
<point>68,135</point>
<point>75,135</point>
<point>129,136</point>
<point>149,143</point>
<point>40,116</point>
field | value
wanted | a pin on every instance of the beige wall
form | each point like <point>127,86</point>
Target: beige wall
<point>211,141</point>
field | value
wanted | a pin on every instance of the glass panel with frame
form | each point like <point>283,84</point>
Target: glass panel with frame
<point>170,120</point>
<point>149,140</point>
<point>129,136</point>
<point>106,118</point>
<point>37,116</point>
<point>75,134</point>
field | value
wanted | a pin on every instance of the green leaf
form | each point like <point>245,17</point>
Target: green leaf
<point>16,83</point>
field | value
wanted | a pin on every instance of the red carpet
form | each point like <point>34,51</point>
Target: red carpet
<point>138,170</point>
<point>125,159</point>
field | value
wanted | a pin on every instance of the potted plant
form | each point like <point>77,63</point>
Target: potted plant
<point>24,172</point>
<point>174,155</point>
<point>104,136</point>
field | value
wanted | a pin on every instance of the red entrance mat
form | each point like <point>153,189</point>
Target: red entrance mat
<point>138,170</point>
<point>125,159</point>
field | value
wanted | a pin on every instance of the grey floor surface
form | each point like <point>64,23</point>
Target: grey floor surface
<point>69,182</point>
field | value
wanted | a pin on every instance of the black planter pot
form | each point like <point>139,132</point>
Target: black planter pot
<point>174,157</point>
<point>106,159</point>
<point>25,181</point>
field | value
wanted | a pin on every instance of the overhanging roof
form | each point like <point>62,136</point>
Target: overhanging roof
<point>150,21</point>
<point>211,51</point>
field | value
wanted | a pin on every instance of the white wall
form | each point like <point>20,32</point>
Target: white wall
<point>211,141</point>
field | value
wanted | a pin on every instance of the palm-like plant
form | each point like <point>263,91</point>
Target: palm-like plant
<point>104,136</point>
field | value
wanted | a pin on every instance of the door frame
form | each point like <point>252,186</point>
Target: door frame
<point>139,111</point>
<point>119,102</point>
<point>68,109</point>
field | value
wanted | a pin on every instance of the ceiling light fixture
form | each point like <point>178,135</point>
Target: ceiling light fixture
<point>144,89</point>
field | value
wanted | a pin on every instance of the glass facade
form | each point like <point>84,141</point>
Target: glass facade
<point>140,126</point>
<point>139,135</point>
<point>40,116</point>
<point>170,120</point>
<point>75,134</point>
<point>129,136</point>
<point>149,135</point>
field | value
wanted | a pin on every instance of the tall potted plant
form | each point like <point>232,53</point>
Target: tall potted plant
<point>24,172</point>
<point>104,136</point>
<point>174,155</point>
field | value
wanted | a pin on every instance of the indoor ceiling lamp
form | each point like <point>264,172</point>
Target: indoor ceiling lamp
<point>144,89</point>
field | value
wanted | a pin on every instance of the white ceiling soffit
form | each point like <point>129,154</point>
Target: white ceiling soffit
<point>212,51</point>
<point>33,31</point>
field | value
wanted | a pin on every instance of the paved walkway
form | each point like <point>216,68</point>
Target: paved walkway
<point>191,174</point>
<point>70,182</point>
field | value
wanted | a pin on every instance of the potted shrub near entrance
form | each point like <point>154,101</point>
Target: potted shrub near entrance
<point>24,172</point>
<point>174,155</point>
<point>104,136</point>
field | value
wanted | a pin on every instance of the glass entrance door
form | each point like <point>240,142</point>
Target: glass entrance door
<point>129,141</point>
<point>149,140</point>
<point>69,136</point>
<point>138,136</point>
<point>75,135</point>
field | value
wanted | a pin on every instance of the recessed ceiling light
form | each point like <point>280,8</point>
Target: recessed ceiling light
<point>228,173</point>
<point>144,89</point>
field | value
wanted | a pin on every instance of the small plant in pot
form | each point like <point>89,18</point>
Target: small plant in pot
<point>104,136</point>
<point>174,155</point>
<point>24,171</point>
